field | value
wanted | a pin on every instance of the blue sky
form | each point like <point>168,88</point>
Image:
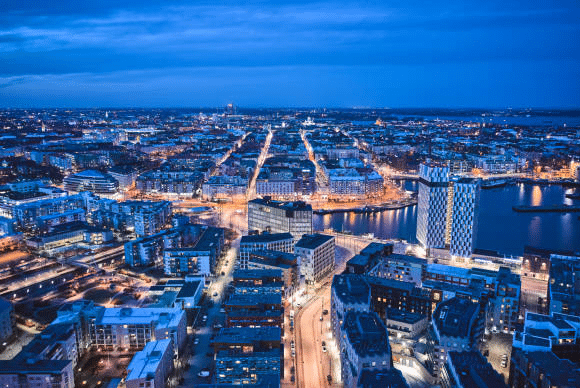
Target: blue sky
<point>337,53</point>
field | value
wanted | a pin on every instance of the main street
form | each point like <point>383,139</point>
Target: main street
<point>313,365</point>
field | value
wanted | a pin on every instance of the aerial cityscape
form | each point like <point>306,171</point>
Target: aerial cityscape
<point>289,194</point>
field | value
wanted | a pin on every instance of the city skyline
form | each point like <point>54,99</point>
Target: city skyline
<point>340,54</point>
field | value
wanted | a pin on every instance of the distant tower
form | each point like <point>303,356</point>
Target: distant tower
<point>230,109</point>
<point>432,206</point>
<point>464,216</point>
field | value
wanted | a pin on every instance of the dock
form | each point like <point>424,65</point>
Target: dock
<point>547,209</point>
<point>368,209</point>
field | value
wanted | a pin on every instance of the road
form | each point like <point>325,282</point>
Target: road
<point>312,364</point>
<point>251,193</point>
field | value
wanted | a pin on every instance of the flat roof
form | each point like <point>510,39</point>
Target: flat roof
<point>166,317</point>
<point>367,333</point>
<point>351,288</point>
<point>145,363</point>
<point>296,205</point>
<point>313,241</point>
<point>372,378</point>
<point>265,238</point>
<point>473,370</point>
<point>453,317</point>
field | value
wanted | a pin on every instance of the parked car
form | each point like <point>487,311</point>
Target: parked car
<point>203,373</point>
<point>324,312</point>
<point>196,341</point>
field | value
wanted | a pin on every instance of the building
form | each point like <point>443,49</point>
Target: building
<point>223,186</point>
<point>282,242</point>
<point>458,327</point>
<point>535,275</point>
<point>395,294</point>
<point>265,215</point>
<point>364,344</point>
<point>400,267</point>
<point>93,181</point>
<point>184,261</point>
<point>348,293</point>
<point>286,262</point>
<point>542,369</point>
<point>133,328</point>
<point>247,369</point>
<point>316,254</point>
<point>126,175</point>
<point>184,294</point>
<point>372,378</point>
<point>564,286</point>
<point>6,320</point>
<point>469,370</point>
<point>463,220</point>
<point>402,324</point>
<point>151,366</point>
<point>35,373</point>
<point>543,332</point>
<point>432,205</point>
<point>368,258</point>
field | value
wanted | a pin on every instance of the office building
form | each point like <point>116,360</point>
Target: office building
<point>348,293</point>
<point>316,254</point>
<point>276,260</point>
<point>282,242</point>
<point>265,215</point>
<point>93,181</point>
<point>432,205</point>
<point>564,286</point>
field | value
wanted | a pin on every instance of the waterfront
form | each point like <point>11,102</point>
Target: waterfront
<point>500,228</point>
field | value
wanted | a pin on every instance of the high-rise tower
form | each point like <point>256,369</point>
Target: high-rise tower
<point>464,216</point>
<point>432,206</point>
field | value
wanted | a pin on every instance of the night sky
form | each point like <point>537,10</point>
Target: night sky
<point>88,53</point>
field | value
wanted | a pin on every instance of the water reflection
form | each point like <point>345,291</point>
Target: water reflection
<point>500,228</point>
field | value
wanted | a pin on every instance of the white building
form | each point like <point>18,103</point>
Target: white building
<point>316,255</point>
<point>432,206</point>
<point>151,366</point>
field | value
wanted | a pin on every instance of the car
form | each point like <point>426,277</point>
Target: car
<point>223,310</point>
<point>323,343</point>
<point>196,341</point>
<point>324,348</point>
<point>504,363</point>
<point>321,319</point>
<point>292,378</point>
<point>223,273</point>
<point>203,373</point>
<point>215,294</point>
<point>329,379</point>
<point>298,305</point>
<point>504,356</point>
<point>324,312</point>
<point>293,353</point>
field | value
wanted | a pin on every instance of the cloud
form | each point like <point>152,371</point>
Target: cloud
<point>76,38</point>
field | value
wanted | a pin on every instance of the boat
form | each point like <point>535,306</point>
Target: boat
<point>493,183</point>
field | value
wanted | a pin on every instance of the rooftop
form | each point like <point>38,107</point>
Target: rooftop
<point>295,206</point>
<point>145,363</point>
<point>367,333</point>
<point>391,378</point>
<point>351,289</point>
<point>474,371</point>
<point>265,238</point>
<point>453,317</point>
<point>313,241</point>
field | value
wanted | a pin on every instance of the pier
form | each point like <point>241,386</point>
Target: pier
<point>547,209</point>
